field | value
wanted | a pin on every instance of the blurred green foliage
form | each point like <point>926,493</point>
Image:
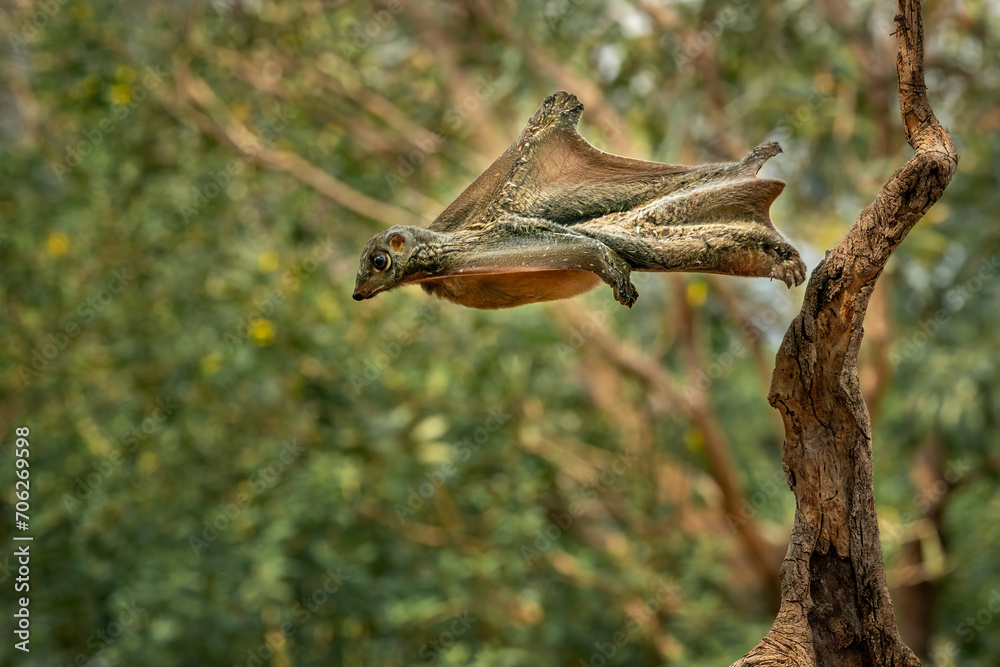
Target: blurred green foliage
<point>232,463</point>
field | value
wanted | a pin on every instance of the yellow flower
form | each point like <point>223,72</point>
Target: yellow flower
<point>124,74</point>
<point>262,332</point>
<point>697,293</point>
<point>148,461</point>
<point>694,440</point>
<point>121,94</point>
<point>57,243</point>
<point>268,261</point>
<point>210,364</point>
<point>81,11</point>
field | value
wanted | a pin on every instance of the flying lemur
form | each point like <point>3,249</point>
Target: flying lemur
<point>554,216</point>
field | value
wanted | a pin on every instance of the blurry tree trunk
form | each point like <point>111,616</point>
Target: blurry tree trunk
<point>835,606</point>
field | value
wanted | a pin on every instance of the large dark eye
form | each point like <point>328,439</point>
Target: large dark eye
<point>380,261</point>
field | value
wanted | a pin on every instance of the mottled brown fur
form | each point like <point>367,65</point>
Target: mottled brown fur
<point>553,216</point>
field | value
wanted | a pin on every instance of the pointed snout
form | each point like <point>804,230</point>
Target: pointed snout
<point>359,292</point>
<point>362,292</point>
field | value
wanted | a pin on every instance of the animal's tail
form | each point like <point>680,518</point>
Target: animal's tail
<point>721,226</point>
<point>744,201</point>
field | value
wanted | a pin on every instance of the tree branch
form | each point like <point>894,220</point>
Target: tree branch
<point>835,602</point>
<point>230,131</point>
<point>715,444</point>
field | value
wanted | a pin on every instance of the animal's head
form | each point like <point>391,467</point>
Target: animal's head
<point>384,261</point>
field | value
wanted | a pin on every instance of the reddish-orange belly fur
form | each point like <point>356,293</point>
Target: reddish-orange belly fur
<point>506,290</point>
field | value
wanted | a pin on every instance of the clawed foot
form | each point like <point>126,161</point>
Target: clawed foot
<point>625,293</point>
<point>616,273</point>
<point>791,271</point>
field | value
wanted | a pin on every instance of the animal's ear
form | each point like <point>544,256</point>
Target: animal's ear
<point>397,241</point>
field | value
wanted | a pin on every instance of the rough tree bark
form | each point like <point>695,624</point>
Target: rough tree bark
<point>835,606</point>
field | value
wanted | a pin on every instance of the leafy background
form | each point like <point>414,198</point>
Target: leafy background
<point>232,463</point>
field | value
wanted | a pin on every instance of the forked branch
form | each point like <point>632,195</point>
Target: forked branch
<point>835,607</point>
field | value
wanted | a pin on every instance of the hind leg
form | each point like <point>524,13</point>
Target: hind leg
<point>752,251</point>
